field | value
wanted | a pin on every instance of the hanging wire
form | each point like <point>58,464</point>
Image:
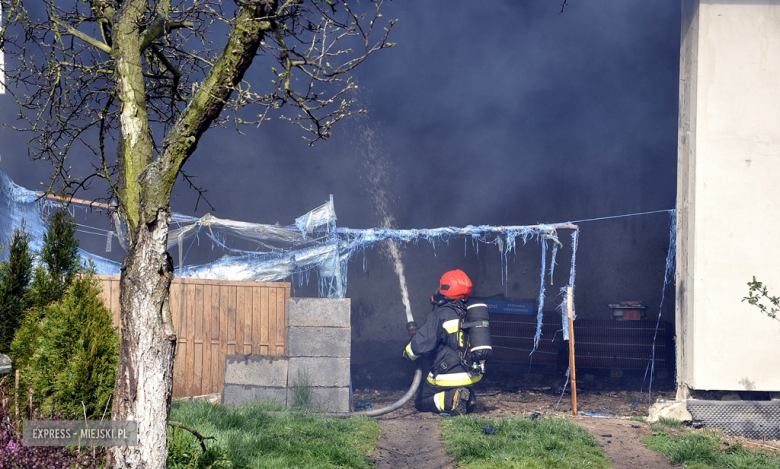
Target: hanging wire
<point>671,255</point>
<point>568,377</point>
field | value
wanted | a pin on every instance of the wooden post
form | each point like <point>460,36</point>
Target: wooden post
<point>573,373</point>
<point>16,396</point>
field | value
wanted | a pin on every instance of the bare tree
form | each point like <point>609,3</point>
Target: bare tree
<point>144,79</point>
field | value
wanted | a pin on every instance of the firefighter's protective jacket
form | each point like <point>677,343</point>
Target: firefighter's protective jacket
<point>442,338</point>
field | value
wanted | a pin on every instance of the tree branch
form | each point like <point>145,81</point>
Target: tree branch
<point>200,437</point>
<point>206,104</point>
<point>159,28</point>
<point>84,37</point>
<point>758,293</point>
<point>201,191</point>
<point>136,150</point>
<point>174,71</point>
<point>104,14</point>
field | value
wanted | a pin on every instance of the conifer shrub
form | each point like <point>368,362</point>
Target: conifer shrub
<point>15,276</point>
<point>59,264</point>
<point>66,348</point>
<point>59,258</point>
<point>72,352</point>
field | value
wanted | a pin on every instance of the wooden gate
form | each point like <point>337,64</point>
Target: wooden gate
<point>214,318</point>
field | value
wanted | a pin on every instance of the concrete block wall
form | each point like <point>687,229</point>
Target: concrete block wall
<point>254,378</point>
<point>318,353</point>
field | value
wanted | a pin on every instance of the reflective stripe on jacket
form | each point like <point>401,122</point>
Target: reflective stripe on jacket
<point>441,337</point>
<point>453,379</point>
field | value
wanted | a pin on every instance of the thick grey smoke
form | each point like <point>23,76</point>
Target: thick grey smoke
<point>499,112</point>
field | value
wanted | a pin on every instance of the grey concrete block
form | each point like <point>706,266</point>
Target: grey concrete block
<point>256,370</point>
<point>327,371</point>
<point>237,394</point>
<point>326,399</point>
<point>319,342</point>
<point>318,312</point>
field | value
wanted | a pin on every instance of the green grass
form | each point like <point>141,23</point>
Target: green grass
<point>250,437</point>
<point>637,419</point>
<point>702,450</point>
<point>671,423</point>
<point>302,396</point>
<point>521,443</point>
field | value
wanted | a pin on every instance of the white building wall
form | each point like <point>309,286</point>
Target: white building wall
<point>728,194</point>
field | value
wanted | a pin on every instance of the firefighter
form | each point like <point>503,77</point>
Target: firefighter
<point>442,339</point>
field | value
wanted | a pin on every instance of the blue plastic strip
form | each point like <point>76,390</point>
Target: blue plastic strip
<point>540,311</point>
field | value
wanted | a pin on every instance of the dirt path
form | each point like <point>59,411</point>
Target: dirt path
<point>411,439</point>
<point>621,442</point>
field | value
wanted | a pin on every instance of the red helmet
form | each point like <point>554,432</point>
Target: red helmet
<point>455,284</point>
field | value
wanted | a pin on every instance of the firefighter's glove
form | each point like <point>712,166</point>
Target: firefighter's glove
<point>411,327</point>
<point>481,355</point>
<point>408,354</point>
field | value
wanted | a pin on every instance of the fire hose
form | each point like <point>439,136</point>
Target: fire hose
<point>412,328</point>
<point>396,405</point>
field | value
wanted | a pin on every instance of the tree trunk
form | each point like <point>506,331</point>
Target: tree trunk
<point>148,341</point>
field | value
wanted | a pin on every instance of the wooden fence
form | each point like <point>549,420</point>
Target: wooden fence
<point>217,318</point>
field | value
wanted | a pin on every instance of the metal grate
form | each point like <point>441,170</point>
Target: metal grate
<point>513,338</point>
<point>619,344</point>
<point>759,420</point>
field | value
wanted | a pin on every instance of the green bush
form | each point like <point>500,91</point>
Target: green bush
<point>72,366</point>
<point>60,263</point>
<point>59,258</point>
<point>15,276</point>
<point>66,348</point>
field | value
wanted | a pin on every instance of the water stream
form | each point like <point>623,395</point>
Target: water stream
<point>377,174</point>
<point>398,266</point>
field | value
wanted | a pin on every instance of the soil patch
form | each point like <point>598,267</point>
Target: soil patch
<point>411,439</point>
<point>621,442</point>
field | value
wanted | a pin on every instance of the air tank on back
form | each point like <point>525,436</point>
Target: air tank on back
<point>478,325</point>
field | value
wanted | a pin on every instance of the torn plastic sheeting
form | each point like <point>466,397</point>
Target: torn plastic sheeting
<point>328,254</point>
<point>243,268</point>
<point>102,265</point>
<point>250,231</point>
<point>268,267</point>
<point>505,237</point>
<point>375,235</point>
<point>575,236</point>
<point>320,216</point>
<point>328,257</point>
<point>540,302</point>
<point>18,204</point>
